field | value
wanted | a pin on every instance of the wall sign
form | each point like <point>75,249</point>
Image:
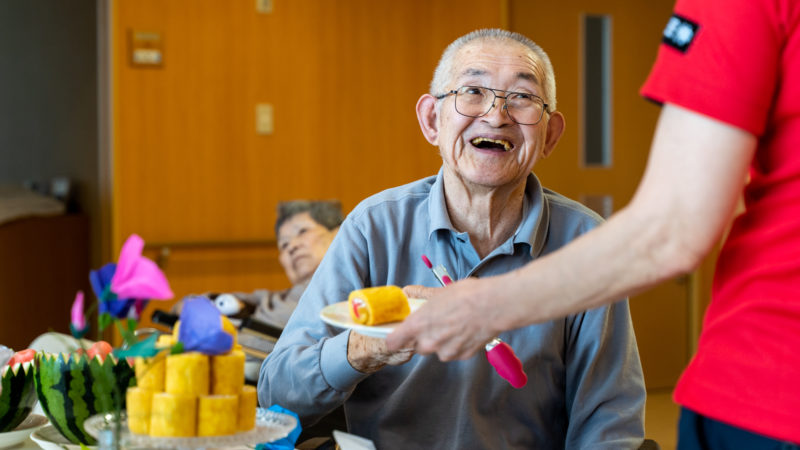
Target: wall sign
<point>146,49</point>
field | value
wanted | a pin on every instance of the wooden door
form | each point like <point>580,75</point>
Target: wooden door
<point>664,317</point>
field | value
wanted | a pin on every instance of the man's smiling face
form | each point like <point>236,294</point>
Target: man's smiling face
<point>492,150</point>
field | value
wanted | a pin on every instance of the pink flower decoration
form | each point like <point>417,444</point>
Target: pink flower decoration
<point>78,321</point>
<point>138,277</point>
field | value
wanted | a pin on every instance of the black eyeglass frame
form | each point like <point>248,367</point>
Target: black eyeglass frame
<point>505,102</point>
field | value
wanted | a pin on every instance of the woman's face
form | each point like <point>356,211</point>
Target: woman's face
<point>302,243</point>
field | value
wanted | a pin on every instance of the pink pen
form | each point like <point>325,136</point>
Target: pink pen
<point>500,355</point>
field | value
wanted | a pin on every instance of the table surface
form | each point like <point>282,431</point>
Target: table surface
<point>27,444</point>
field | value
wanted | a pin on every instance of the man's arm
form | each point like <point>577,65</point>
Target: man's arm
<point>694,176</point>
<point>605,392</point>
<point>314,368</point>
<point>308,371</point>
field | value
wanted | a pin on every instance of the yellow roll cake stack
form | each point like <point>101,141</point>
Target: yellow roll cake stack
<point>377,305</point>
<point>191,394</point>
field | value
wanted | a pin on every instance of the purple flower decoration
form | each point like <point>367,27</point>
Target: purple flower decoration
<point>201,330</point>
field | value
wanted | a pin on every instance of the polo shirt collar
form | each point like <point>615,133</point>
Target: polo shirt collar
<point>532,231</point>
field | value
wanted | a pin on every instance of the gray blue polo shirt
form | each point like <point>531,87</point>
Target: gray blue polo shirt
<point>585,386</point>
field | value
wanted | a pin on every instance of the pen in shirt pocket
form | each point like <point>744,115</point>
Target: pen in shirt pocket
<point>500,355</point>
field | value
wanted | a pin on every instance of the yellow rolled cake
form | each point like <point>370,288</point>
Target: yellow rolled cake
<point>217,415</point>
<point>377,305</point>
<point>150,372</point>
<point>187,373</point>
<point>247,408</point>
<point>191,394</point>
<point>165,340</point>
<point>139,401</point>
<point>227,373</point>
<point>173,415</point>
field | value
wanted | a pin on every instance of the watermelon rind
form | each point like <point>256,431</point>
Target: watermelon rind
<point>17,395</point>
<point>72,388</point>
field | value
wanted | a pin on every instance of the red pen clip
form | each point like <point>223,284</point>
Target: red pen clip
<point>500,355</point>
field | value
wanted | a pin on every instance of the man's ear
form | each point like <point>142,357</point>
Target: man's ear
<point>427,117</point>
<point>555,128</point>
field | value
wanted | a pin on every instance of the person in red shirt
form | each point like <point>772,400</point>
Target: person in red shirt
<point>728,76</point>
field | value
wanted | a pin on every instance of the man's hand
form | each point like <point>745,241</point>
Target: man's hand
<point>454,323</point>
<point>417,291</point>
<point>368,354</point>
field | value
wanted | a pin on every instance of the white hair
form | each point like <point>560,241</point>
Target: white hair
<point>444,70</point>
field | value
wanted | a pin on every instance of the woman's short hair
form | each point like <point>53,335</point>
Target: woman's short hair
<point>327,213</point>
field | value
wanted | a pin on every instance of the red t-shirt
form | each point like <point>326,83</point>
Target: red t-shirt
<point>738,61</point>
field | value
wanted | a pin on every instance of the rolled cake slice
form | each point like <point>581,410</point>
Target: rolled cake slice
<point>227,373</point>
<point>187,373</point>
<point>217,415</point>
<point>139,402</point>
<point>173,415</point>
<point>377,305</point>
<point>150,372</point>
<point>247,408</point>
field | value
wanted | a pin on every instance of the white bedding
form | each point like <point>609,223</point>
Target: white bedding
<point>18,202</point>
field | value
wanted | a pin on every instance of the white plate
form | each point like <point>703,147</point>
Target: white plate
<point>23,430</point>
<point>338,315</point>
<point>50,439</point>
<point>270,426</point>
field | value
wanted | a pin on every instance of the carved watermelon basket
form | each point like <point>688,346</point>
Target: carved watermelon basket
<point>17,395</point>
<point>72,388</point>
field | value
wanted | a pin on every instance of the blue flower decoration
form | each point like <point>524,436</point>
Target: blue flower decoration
<point>109,303</point>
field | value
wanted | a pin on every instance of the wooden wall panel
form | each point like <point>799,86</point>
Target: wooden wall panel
<point>343,78</point>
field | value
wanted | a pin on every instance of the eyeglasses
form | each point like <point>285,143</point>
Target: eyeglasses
<point>477,101</point>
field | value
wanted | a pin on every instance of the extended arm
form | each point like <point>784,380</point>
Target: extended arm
<point>694,176</point>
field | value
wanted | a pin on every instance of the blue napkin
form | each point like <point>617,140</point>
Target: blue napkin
<point>289,441</point>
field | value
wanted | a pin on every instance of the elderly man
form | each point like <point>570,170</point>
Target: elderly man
<point>491,112</point>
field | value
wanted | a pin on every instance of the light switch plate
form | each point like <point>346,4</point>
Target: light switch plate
<point>264,119</point>
<point>146,48</point>
<point>264,6</point>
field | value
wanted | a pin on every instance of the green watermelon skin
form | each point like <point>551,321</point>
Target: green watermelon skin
<point>17,395</point>
<point>73,388</point>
